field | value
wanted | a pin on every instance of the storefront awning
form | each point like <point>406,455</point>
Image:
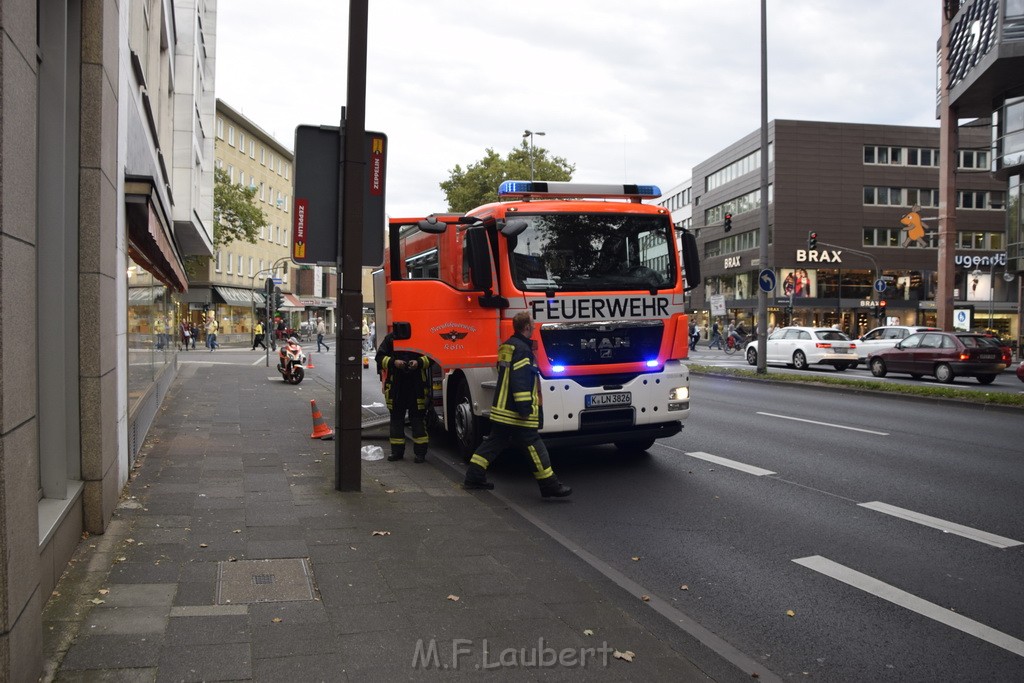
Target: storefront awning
<point>292,303</point>
<point>143,296</point>
<point>236,296</point>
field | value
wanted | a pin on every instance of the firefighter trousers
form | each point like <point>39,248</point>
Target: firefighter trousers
<point>418,422</point>
<point>503,436</point>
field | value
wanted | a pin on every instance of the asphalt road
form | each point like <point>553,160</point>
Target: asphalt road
<point>778,499</point>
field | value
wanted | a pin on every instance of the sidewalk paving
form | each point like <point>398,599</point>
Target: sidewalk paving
<point>231,557</point>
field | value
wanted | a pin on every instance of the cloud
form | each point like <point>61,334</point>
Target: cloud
<point>637,92</point>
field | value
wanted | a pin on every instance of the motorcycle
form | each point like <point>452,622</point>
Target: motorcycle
<point>290,362</point>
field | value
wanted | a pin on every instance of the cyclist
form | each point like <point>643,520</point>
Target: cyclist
<point>739,333</point>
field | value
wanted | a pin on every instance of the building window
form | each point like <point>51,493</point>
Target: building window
<point>231,173</point>
<point>738,205</point>
<point>251,271</point>
<point>263,195</point>
<point>974,160</point>
<point>230,261</point>
<point>240,262</point>
<point>216,261</point>
<point>241,142</point>
<point>263,155</point>
<point>287,203</point>
<point>287,171</point>
<point>231,135</point>
<point>749,163</point>
<point>252,149</point>
<point>744,241</point>
<point>220,128</point>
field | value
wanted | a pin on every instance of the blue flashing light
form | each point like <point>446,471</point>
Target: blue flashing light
<point>515,187</point>
<point>652,363</point>
<point>648,190</point>
<point>557,368</point>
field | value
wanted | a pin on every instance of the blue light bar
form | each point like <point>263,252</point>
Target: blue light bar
<point>557,368</point>
<point>652,363</point>
<point>527,188</point>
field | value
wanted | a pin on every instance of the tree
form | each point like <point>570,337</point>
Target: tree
<point>478,183</point>
<point>235,213</point>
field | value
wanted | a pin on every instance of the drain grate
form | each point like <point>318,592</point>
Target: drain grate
<point>250,581</point>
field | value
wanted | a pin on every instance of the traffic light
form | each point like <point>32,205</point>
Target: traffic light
<point>812,239</point>
<point>880,311</point>
<point>728,222</point>
<point>278,299</point>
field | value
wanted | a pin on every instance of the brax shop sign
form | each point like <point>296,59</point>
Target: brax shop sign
<point>819,256</point>
<point>582,308</point>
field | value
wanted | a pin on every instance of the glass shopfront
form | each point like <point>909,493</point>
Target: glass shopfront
<point>152,330</point>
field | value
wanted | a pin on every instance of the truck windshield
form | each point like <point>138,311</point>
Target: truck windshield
<point>593,252</point>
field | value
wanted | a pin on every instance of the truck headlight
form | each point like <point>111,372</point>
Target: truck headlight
<point>679,394</point>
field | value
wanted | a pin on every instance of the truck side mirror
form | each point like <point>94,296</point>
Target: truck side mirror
<point>431,225</point>
<point>691,260</point>
<point>479,259</point>
<point>514,227</point>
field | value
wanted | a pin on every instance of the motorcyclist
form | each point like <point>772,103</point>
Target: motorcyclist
<point>289,349</point>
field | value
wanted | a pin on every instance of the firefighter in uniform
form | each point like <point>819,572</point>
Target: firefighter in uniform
<point>516,414</point>
<point>406,378</point>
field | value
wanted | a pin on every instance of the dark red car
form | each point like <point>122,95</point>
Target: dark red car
<point>944,355</point>
<point>1020,371</point>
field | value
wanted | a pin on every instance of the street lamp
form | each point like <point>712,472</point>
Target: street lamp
<point>530,134</point>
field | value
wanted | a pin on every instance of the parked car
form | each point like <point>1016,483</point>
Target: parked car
<point>1020,371</point>
<point>803,347</point>
<point>885,337</point>
<point>944,355</point>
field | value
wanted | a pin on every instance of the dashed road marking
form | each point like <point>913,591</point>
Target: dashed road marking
<point>724,462</point>
<point>911,602</point>
<point>824,424</point>
<point>942,525</point>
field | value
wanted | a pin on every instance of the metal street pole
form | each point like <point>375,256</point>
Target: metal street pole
<point>531,133</point>
<point>348,361</point>
<point>947,186</point>
<point>762,296</point>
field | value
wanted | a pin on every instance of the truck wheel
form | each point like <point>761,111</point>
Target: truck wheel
<point>634,446</point>
<point>468,428</point>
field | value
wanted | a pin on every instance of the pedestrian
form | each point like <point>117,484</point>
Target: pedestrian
<point>516,414</point>
<point>160,328</point>
<point>321,330</point>
<point>258,336</point>
<point>373,335</point>
<point>186,334</point>
<point>406,378</point>
<point>211,332</point>
<point>280,330</point>
<point>366,336</point>
<point>716,337</point>
<point>694,336</point>
<point>193,333</point>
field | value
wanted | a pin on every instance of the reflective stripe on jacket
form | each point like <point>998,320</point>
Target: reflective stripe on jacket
<point>517,390</point>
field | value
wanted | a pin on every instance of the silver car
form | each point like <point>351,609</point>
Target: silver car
<point>803,347</point>
<point>886,337</point>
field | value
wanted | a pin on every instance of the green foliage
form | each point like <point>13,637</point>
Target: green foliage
<point>477,184</point>
<point>235,213</point>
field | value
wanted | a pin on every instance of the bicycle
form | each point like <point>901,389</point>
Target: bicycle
<point>733,343</point>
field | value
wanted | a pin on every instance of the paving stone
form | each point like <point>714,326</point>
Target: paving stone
<point>141,595</point>
<point>112,652</point>
<point>220,662</point>
<point>199,630</point>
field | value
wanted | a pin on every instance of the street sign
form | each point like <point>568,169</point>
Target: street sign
<point>278,281</point>
<point>880,285</point>
<point>317,200</point>
<point>766,280</point>
<point>717,304</point>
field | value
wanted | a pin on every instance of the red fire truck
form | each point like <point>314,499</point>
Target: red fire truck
<point>599,271</point>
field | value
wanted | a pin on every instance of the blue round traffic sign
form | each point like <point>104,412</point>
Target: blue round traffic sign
<point>880,285</point>
<point>766,280</point>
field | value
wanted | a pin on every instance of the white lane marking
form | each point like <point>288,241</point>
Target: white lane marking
<point>899,597</point>
<point>724,462</point>
<point>825,424</point>
<point>941,524</point>
<point>259,360</point>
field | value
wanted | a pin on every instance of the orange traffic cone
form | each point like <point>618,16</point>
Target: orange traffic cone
<point>309,362</point>
<point>320,428</point>
<point>366,361</point>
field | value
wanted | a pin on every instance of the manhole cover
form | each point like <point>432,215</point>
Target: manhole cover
<point>249,581</point>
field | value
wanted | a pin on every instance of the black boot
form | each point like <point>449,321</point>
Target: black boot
<point>476,478</point>
<point>420,457</point>
<point>395,456</point>
<point>552,488</point>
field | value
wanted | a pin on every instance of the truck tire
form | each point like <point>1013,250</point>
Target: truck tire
<point>467,428</point>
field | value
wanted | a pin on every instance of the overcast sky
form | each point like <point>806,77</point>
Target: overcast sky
<point>636,91</point>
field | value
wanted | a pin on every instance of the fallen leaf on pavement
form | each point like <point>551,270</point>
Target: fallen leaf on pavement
<point>381,533</point>
<point>97,601</point>
<point>103,591</point>
<point>635,558</point>
<point>588,632</point>
<point>203,545</point>
<point>627,655</point>
<point>684,587</point>
<point>277,620</point>
<point>453,598</point>
<point>389,490</point>
<point>790,613</point>
<point>645,598</point>
<point>237,531</point>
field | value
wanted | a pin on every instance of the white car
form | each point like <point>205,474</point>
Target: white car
<point>803,347</point>
<point>886,337</point>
